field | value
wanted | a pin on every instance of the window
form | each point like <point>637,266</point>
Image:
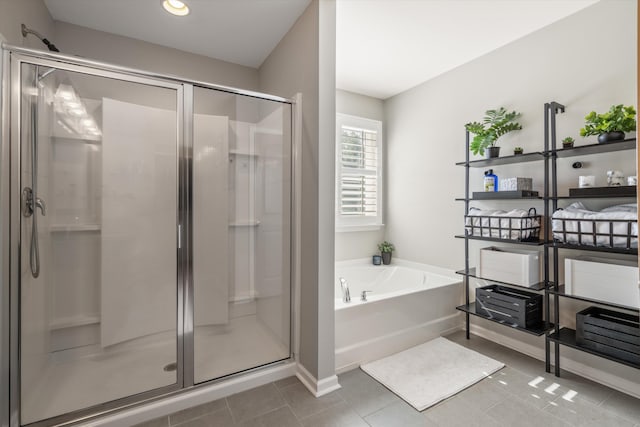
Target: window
<point>358,173</point>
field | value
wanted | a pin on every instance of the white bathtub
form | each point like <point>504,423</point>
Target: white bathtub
<point>409,304</point>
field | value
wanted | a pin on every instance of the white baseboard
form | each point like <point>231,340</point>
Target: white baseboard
<point>317,388</point>
<point>350,357</point>
<point>570,365</point>
<point>197,396</point>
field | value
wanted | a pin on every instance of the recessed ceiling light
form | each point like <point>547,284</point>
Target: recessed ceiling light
<point>175,7</point>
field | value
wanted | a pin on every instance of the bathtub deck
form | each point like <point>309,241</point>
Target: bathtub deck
<point>520,394</point>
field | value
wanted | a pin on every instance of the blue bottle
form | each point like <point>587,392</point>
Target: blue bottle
<point>490,181</point>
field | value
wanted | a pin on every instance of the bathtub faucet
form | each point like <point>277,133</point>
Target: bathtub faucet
<point>346,296</point>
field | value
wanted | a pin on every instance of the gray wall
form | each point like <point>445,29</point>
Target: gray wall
<point>572,62</point>
<point>304,62</point>
<point>359,244</point>
<point>33,14</point>
<point>134,53</point>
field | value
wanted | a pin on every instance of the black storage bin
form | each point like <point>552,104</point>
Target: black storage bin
<point>609,332</point>
<point>513,306</point>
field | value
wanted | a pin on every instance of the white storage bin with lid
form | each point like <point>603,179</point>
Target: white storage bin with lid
<point>515,266</point>
<point>603,279</point>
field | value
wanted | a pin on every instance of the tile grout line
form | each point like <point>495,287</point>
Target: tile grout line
<point>226,404</point>
<point>286,403</point>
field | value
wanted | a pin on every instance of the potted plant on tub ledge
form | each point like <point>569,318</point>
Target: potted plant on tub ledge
<point>386,249</point>
<point>610,126</point>
<point>495,124</point>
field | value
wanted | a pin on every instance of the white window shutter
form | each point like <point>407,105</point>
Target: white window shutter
<point>358,172</point>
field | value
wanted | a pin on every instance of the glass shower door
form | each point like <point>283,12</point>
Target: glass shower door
<point>99,261</point>
<point>241,233</point>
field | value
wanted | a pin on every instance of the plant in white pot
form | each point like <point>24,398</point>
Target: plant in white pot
<point>495,124</point>
<point>386,249</point>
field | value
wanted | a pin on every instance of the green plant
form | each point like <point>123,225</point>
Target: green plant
<point>495,124</point>
<point>618,118</point>
<point>386,247</point>
<point>518,149</point>
<point>568,140</point>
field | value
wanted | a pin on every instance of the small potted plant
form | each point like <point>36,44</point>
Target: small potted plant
<point>386,249</point>
<point>612,125</point>
<point>517,151</point>
<point>568,142</point>
<point>495,124</point>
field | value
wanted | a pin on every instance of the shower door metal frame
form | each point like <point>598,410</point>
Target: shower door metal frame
<point>16,61</point>
<point>10,225</point>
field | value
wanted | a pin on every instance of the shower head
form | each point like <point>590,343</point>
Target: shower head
<point>26,31</point>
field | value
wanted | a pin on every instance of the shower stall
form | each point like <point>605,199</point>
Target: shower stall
<point>146,235</point>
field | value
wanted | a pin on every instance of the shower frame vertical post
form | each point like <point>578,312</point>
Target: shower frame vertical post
<point>4,293</point>
<point>185,243</point>
<point>15,219</point>
<point>5,232</point>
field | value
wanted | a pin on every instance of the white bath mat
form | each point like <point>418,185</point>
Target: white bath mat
<point>426,374</point>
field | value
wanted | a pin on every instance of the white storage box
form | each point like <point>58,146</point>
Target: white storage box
<point>603,279</point>
<point>518,267</point>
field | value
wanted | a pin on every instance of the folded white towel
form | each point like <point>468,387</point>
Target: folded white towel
<point>516,224</point>
<point>577,215</point>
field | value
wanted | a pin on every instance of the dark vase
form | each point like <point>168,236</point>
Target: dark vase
<point>603,138</point>
<point>567,144</point>
<point>492,152</point>
<point>386,258</point>
<point>517,152</point>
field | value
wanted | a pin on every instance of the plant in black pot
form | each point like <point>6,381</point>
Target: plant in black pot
<point>518,151</point>
<point>495,124</point>
<point>612,125</point>
<point>568,142</point>
<point>386,249</point>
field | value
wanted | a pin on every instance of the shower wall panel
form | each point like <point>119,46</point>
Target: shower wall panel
<point>210,210</point>
<point>138,286</point>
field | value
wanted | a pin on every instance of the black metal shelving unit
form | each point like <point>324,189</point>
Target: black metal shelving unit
<point>562,335</point>
<point>470,273</point>
<point>554,332</point>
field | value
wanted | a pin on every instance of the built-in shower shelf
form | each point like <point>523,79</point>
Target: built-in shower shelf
<point>78,139</point>
<point>244,224</point>
<point>242,153</point>
<point>69,322</point>
<point>61,228</point>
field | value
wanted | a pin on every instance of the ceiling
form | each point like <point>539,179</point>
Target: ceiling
<point>384,47</point>
<point>239,31</point>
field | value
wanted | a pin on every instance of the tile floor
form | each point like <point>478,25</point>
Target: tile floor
<point>521,394</point>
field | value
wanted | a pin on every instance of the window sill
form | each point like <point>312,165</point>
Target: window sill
<point>352,228</point>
